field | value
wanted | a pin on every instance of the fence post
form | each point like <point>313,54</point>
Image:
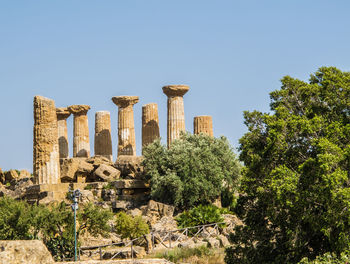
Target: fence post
<point>132,253</point>
<point>100,253</point>
<point>170,240</point>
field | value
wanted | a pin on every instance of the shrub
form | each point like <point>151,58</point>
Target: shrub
<point>53,224</point>
<point>200,215</point>
<point>130,227</point>
<point>195,170</point>
<point>328,258</point>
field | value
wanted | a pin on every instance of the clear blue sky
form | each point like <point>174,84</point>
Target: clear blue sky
<point>231,53</point>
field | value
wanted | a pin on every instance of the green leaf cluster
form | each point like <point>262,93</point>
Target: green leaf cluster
<point>195,170</point>
<point>296,177</point>
<point>53,224</point>
<point>328,258</point>
<point>200,215</point>
<point>130,227</point>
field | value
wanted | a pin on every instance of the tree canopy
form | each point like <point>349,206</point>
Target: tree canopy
<point>296,200</point>
<point>195,170</point>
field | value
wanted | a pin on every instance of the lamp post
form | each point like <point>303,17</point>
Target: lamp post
<point>75,197</point>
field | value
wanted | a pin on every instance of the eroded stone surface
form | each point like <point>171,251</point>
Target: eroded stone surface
<point>203,124</point>
<point>24,251</point>
<point>62,115</point>
<point>107,173</point>
<point>130,166</point>
<point>126,126</point>
<point>103,139</point>
<point>150,124</point>
<point>81,141</point>
<point>45,143</point>
<point>72,168</point>
<point>176,112</point>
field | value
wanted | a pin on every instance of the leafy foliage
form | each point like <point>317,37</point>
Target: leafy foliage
<point>54,224</point>
<point>130,227</point>
<point>296,180</point>
<point>195,170</point>
<point>200,215</point>
<point>328,258</point>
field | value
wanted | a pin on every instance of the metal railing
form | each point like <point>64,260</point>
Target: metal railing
<point>166,238</point>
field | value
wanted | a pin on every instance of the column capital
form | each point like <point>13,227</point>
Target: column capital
<point>79,109</point>
<point>62,113</point>
<point>175,90</point>
<point>124,100</point>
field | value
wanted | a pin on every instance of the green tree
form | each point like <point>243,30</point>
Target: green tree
<point>296,179</point>
<point>195,170</point>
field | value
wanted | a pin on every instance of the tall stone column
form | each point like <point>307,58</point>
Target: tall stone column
<point>203,124</point>
<point>103,139</point>
<point>46,166</point>
<point>126,127</point>
<point>62,115</point>
<point>176,112</point>
<point>81,142</point>
<point>150,123</point>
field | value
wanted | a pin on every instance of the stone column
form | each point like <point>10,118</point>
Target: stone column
<point>62,115</point>
<point>46,166</point>
<point>203,124</point>
<point>81,142</point>
<point>150,123</point>
<point>126,128</point>
<point>103,139</point>
<point>176,114</point>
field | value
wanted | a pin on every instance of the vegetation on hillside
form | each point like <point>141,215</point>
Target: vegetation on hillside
<point>296,179</point>
<point>54,224</point>
<point>196,170</point>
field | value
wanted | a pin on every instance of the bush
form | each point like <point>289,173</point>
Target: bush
<point>130,227</point>
<point>328,258</point>
<point>200,215</point>
<point>180,254</point>
<point>53,224</point>
<point>195,170</point>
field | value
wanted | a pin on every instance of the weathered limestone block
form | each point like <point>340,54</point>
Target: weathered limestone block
<point>24,174</point>
<point>126,126</point>
<point>11,175</point>
<point>103,139</point>
<point>46,168</point>
<point>70,168</point>
<point>130,184</point>
<point>130,166</point>
<point>24,251</point>
<point>150,124</point>
<point>98,160</point>
<point>176,112</point>
<point>155,211</point>
<point>2,176</point>
<point>107,173</point>
<point>81,141</point>
<point>62,115</point>
<point>203,124</point>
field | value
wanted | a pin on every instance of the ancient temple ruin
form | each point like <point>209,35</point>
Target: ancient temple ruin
<point>176,111</point>
<point>150,124</point>
<point>103,138</point>
<point>46,167</point>
<point>203,124</point>
<point>81,141</point>
<point>126,126</point>
<point>54,171</point>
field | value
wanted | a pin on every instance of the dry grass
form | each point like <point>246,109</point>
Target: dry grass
<point>200,255</point>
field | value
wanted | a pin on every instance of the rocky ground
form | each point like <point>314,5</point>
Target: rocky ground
<point>118,186</point>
